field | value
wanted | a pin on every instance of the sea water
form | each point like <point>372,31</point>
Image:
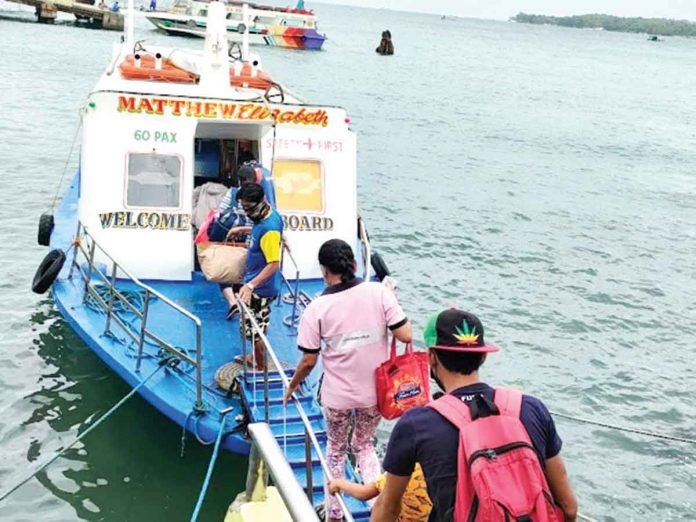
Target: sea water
<point>540,177</point>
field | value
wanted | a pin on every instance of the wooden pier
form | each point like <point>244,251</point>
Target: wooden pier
<point>47,10</point>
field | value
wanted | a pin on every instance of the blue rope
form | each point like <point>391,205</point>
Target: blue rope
<point>209,474</point>
<point>60,452</point>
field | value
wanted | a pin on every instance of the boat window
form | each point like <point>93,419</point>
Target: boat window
<point>291,22</point>
<point>299,185</point>
<point>154,180</point>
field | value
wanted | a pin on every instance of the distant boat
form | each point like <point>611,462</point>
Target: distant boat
<point>273,26</point>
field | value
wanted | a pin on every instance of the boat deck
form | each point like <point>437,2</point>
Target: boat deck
<point>173,390</point>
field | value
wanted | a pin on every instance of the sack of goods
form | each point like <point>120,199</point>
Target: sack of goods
<point>403,382</point>
<point>222,262</point>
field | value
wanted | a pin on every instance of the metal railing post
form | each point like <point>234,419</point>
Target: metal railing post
<point>308,464</point>
<point>90,267</point>
<point>110,308</point>
<point>199,366</point>
<point>266,391</point>
<point>295,297</point>
<point>143,326</point>
<point>242,320</point>
<point>74,260</point>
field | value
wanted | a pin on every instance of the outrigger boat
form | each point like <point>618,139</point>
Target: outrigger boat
<point>122,270</point>
<point>267,25</point>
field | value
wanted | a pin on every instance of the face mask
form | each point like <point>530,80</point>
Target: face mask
<point>437,381</point>
<point>256,212</point>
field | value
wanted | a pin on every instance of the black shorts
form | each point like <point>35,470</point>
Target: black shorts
<point>261,310</point>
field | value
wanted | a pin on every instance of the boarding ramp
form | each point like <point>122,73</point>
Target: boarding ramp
<point>299,429</point>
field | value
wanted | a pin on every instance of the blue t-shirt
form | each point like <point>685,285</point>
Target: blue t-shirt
<point>423,435</point>
<point>264,248</point>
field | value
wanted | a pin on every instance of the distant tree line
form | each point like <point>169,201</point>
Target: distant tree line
<point>661,26</point>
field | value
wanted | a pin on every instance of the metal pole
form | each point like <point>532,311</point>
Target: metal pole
<point>296,502</point>
<point>143,325</point>
<point>294,299</point>
<point>308,464</point>
<point>90,265</point>
<point>199,366</point>
<point>74,260</point>
<point>266,392</point>
<point>242,320</point>
<point>110,308</point>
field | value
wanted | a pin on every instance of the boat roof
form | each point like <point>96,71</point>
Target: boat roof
<point>263,7</point>
<point>113,80</point>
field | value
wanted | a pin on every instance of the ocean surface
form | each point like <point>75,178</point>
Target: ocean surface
<point>541,177</point>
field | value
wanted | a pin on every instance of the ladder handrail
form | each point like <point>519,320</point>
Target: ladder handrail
<point>365,243</point>
<point>245,312</point>
<point>116,267</point>
<point>296,502</point>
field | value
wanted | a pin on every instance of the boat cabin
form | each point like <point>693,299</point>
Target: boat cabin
<point>148,142</point>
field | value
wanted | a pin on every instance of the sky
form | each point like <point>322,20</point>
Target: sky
<point>504,9</point>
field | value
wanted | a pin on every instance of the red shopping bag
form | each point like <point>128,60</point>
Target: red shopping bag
<point>403,382</point>
<point>202,236</point>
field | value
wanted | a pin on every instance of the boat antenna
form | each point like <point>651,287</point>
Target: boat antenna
<point>245,34</point>
<point>130,24</point>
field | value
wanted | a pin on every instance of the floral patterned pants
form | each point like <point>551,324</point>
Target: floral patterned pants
<point>338,424</point>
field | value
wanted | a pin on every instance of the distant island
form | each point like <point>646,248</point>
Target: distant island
<point>661,26</point>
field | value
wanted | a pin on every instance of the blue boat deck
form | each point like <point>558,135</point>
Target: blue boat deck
<point>173,390</point>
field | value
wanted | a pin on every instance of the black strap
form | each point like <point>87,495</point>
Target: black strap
<point>481,406</point>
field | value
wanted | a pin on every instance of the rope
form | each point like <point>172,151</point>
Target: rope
<point>209,473</point>
<point>580,516</point>
<point>62,450</point>
<point>65,168</point>
<point>623,428</point>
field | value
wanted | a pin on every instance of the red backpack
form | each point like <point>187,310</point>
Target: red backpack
<point>499,477</point>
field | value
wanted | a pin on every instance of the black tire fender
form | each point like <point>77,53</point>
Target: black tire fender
<point>379,266</point>
<point>46,224</point>
<point>48,271</point>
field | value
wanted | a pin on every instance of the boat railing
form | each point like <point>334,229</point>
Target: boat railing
<point>294,287</point>
<point>365,247</point>
<point>310,437</point>
<point>86,246</point>
<point>266,456</point>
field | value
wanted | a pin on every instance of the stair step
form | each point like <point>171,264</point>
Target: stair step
<point>295,454</point>
<point>317,477</point>
<point>275,396</point>
<point>295,430</point>
<point>277,413</point>
<point>273,378</point>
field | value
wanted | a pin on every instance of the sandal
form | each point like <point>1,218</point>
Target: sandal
<point>232,311</point>
<point>249,362</point>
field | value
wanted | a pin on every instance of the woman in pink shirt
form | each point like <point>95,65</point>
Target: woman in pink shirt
<point>347,324</point>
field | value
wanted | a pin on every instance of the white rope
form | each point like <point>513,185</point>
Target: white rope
<point>623,428</point>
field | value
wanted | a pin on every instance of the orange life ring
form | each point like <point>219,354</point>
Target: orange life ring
<point>249,76</point>
<point>147,70</point>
